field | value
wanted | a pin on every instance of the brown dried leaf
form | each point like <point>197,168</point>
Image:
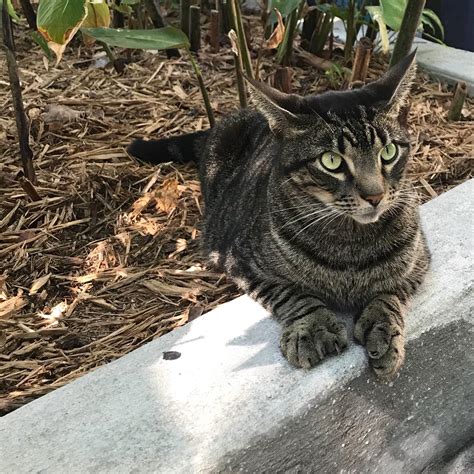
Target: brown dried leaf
<point>278,33</point>
<point>180,92</point>
<point>39,283</point>
<point>168,195</point>
<point>233,41</point>
<point>141,203</point>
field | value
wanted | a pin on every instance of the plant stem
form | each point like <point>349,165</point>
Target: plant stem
<point>240,82</point>
<point>282,79</point>
<point>406,35</point>
<point>458,101</point>
<point>20,116</point>
<point>29,13</point>
<point>214,31</point>
<point>286,49</point>
<point>207,103</point>
<point>320,37</point>
<point>243,48</point>
<point>195,28</point>
<point>351,30</point>
<point>119,66</point>
<point>184,15</point>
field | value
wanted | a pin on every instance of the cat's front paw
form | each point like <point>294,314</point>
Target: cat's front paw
<point>309,340</point>
<point>382,335</point>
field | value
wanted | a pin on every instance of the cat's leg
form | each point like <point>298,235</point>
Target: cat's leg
<point>310,330</point>
<point>380,329</point>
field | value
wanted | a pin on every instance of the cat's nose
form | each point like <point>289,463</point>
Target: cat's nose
<point>374,199</point>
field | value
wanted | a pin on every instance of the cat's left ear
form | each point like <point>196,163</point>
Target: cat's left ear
<point>280,109</point>
<point>393,88</point>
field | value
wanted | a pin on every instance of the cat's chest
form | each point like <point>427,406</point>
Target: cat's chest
<point>354,280</point>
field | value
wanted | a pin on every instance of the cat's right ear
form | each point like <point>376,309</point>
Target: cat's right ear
<point>278,108</point>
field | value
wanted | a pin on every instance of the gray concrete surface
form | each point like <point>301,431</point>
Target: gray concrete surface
<point>449,64</point>
<point>231,402</point>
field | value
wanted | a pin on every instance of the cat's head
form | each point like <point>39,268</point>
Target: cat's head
<point>349,149</point>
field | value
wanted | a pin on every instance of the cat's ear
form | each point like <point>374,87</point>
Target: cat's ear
<point>393,88</point>
<point>278,108</point>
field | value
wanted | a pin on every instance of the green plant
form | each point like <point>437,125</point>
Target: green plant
<point>335,75</point>
<point>285,48</point>
<point>59,20</point>
<point>389,14</point>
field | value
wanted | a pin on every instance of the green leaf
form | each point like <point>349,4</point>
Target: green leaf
<point>42,43</point>
<point>393,11</point>
<point>377,16</point>
<point>58,20</point>
<point>11,10</point>
<point>98,15</point>
<point>333,10</point>
<point>430,17</point>
<point>160,39</point>
<point>285,7</point>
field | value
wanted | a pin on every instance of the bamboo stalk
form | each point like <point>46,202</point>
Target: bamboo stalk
<point>240,82</point>
<point>351,31</point>
<point>362,59</point>
<point>202,87</point>
<point>309,25</point>
<point>243,48</point>
<point>195,28</point>
<point>320,36</point>
<point>286,49</point>
<point>29,13</point>
<point>118,65</point>
<point>224,13</point>
<point>214,32</point>
<point>410,22</point>
<point>282,79</point>
<point>184,15</point>
<point>20,116</point>
<point>457,104</point>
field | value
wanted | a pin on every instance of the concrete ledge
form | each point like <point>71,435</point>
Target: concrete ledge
<point>442,62</point>
<point>231,401</point>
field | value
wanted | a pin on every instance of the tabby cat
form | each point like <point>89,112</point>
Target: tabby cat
<point>308,208</point>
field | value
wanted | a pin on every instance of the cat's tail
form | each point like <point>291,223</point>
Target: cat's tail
<point>181,149</point>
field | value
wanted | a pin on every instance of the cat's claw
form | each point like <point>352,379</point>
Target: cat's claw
<point>385,345</point>
<point>309,340</point>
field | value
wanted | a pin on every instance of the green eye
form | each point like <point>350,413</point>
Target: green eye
<point>331,161</point>
<point>389,152</point>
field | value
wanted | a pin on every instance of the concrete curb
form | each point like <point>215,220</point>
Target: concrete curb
<point>449,64</point>
<point>231,402</point>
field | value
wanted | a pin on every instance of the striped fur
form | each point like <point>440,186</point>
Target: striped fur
<point>303,241</point>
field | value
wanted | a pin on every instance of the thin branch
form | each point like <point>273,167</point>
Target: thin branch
<point>29,13</point>
<point>239,27</point>
<point>20,116</point>
<point>205,96</point>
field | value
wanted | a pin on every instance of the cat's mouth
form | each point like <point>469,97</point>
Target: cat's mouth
<point>368,216</point>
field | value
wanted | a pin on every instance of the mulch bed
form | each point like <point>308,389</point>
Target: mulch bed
<point>109,258</point>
